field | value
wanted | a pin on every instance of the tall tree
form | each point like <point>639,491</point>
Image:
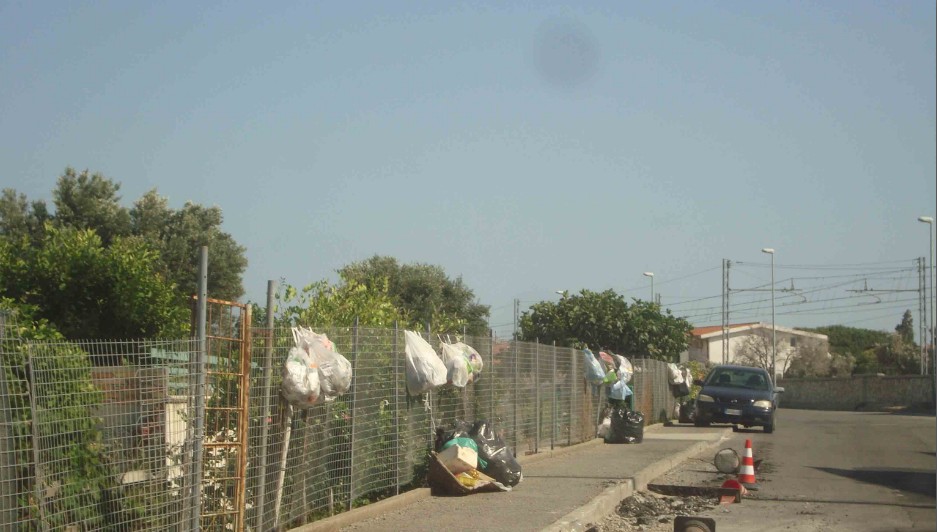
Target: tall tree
<point>19,218</point>
<point>605,320</point>
<point>424,292</point>
<point>177,235</point>
<point>88,201</point>
<point>905,329</point>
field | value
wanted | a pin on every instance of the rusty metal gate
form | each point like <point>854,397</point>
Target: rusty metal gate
<point>224,469</point>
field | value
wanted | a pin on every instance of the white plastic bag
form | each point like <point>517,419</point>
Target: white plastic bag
<point>604,427</point>
<point>301,379</point>
<point>592,368</point>
<point>334,369</point>
<point>625,369</point>
<point>425,370</point>
<point>676,376</point>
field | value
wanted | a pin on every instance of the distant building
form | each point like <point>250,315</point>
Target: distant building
<point>706,342</point>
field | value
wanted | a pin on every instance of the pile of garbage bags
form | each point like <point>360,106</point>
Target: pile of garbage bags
<point>611,369</point>
<point>471,458</point>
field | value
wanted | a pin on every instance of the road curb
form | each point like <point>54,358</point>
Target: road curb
<point>607,502</point>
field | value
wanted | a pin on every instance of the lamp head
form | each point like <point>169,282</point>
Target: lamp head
<point>649,274</point>
<point>769,251</point>
<point>926,219</point>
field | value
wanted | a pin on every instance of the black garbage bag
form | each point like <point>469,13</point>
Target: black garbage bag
<point>627,426</point>
<point>458,429</point>
<point>501,464</point>
<point>680,390</point>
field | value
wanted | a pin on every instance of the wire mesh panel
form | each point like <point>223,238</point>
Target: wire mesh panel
<point>92,447</point>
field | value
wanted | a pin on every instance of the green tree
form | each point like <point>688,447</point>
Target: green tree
<point>605,320</point>
<point>810,360</point>
<point>324,304</point>
<point>851,341</point>
<point>905,329</point>
<point>86,201</point>
<point>178,234</point>
<point>88,290</point>
<point>423,292</point>
<point>18,218</point>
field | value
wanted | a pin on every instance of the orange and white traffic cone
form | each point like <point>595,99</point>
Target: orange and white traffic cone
<point>747,471</point>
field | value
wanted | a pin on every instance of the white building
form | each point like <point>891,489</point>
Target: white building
<point>706,343</point>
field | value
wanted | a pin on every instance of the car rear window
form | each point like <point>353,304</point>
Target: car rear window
<point>738,378</point>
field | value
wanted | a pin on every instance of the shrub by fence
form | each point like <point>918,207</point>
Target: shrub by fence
<point>88,445</point>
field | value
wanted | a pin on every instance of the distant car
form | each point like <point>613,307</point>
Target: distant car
<point>740,395</point>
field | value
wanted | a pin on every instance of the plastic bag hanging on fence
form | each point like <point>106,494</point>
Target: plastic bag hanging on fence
<point>676,375</point>
<point>334,369</point>
<point>459,371</point>
<point>300,379</point>
<point>625,369</point>
<point>592,368</point>
<point>425,370</point>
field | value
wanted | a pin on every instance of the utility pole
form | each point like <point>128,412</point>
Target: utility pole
<point>726,264</point>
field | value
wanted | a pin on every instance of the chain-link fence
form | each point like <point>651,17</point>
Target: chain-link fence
<point>109,435</point>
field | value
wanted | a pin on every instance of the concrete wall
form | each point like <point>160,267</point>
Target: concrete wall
<point>859,392</point>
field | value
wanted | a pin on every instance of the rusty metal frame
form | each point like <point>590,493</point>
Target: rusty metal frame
<point>241,336</point>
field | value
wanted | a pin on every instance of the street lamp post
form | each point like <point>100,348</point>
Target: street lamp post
<point>929,220</point>
<point>774,332</point>
<point>651,275</point>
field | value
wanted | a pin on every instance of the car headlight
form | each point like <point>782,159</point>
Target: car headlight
<point>703,398</point>
<point>764,403</point>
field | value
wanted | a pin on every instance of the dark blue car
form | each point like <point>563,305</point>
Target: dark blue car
<point>740,395</point>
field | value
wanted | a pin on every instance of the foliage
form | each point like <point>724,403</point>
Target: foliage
<point>178,234</point>
<point>88,290</point>
<point>150,252</point>
<point>905,329</point>
<point>324,304</point>
<point>73,475</point>
<point>898,357</point>
<point>851,340</point>
<point>423,292</point>
<point>841,365</point>
<point>810,360</point>
<point>605,320</point>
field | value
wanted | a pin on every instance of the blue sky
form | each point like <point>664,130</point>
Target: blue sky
<point>527,146</point>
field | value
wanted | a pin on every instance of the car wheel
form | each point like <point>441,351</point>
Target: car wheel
<point>735,428</point>
<point>769,428</point>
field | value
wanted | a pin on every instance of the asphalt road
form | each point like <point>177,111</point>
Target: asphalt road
<point>849,471</point>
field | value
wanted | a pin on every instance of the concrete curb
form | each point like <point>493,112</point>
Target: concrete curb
<point>607,502</point>
<point>336,522</point>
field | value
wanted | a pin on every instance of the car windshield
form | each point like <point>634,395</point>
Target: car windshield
<point>738,378</point>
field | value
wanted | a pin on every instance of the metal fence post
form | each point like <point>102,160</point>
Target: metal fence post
<point>265,414</point>
<point>553,383</point>
<point>516,398</point>
<point>491,387</point>
<point>572,396</point>
<point>38,480</point>
<point>354,400</point>
<point>200,369</point>
<point>537,394</point>
<point>396,411</point>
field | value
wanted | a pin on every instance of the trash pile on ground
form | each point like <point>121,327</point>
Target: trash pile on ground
<point>472,458</point>
<point>643,510</point>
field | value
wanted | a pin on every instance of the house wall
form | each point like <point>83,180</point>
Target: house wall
<point>710,349</point>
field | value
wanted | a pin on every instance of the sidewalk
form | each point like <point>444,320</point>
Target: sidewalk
<point>582,483</point>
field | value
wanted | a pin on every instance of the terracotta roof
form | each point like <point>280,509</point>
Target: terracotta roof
<point>700,331</point>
